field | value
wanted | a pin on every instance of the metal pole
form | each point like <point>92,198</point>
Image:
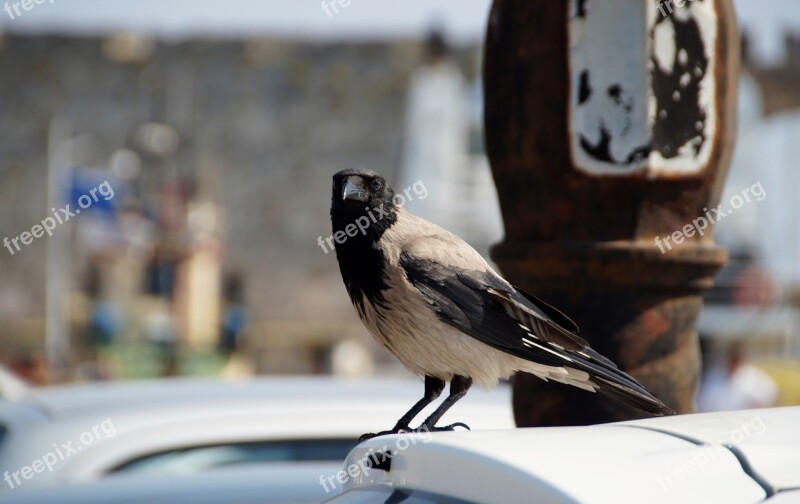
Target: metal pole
<point>59,153</point>
<point>610,125</point>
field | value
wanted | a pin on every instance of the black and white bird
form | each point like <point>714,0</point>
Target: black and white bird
<point>436,304</point>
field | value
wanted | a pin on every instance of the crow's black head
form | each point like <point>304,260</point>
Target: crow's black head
<point>362,208</point>
<point>362,198</point>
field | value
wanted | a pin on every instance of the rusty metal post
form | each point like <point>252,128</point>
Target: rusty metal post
<point>610,126</point>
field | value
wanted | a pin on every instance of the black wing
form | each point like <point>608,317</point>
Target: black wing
<point>491,310</point>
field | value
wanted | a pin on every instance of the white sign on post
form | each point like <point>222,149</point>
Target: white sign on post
<point>642,86</point>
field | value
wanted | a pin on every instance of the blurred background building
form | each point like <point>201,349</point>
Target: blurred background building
<point>219,128</point>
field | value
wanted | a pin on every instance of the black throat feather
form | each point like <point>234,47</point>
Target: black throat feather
<point>361,262</point>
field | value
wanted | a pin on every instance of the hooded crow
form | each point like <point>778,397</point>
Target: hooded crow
<point>436,304</point>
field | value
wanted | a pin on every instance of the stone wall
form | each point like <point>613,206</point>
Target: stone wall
<point>263,125</point>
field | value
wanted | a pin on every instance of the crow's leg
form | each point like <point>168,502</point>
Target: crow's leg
<point>459,386</point>
<point>433,389</point>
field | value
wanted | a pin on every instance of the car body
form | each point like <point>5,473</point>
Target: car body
<point>84,433</point>
<point>732,457</point>
<point>242,484</point>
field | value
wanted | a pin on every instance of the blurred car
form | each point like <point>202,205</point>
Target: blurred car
<point>732,457</point>
<point>241,484</point>
<point>11,386</point>
<point>82,433</point>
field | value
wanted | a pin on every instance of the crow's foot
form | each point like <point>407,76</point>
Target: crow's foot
<point>445,428</point>
<point>403,429</point>
<point>398,429</point>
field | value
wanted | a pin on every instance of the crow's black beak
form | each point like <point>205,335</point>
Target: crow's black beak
<point>353,190</point>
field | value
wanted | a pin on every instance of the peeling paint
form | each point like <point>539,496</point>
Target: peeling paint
<point>664,42</point>
<point>580,8</point>
<point>643,87</point>
<point>584,88</point>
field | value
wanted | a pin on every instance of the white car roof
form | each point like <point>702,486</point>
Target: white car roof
<point>155,393</point>
<point>161,415</point>
<point>769,439</point>
<point>653,461</point>
<point>65,400</point>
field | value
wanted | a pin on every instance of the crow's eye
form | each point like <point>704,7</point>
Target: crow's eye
<point>377,185</point>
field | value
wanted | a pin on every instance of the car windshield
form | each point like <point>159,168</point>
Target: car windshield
<point>192,459</point>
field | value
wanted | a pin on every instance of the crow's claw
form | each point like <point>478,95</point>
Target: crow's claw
<point>403,429</point>
<point>444,428</point>
<point>398,429</point>
<point>371,435</point>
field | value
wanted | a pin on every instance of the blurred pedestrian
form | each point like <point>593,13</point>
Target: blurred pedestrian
<point>736,385</point>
